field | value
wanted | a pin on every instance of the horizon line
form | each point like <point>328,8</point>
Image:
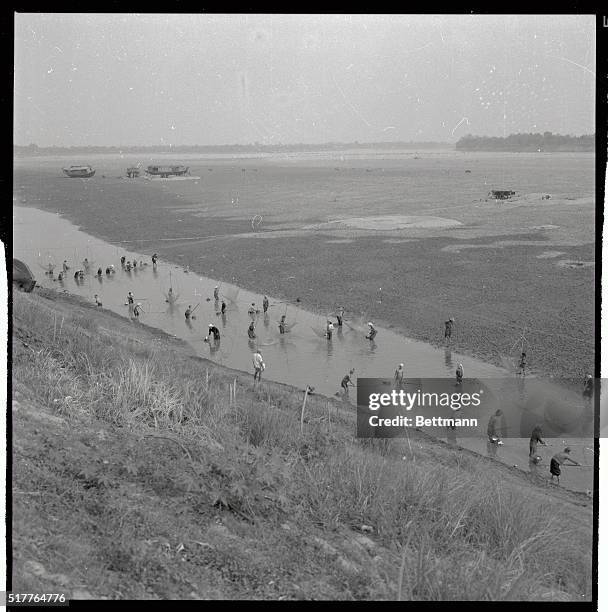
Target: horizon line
<point>293,144</point>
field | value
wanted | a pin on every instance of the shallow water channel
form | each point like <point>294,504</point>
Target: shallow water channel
<point>300,357</point>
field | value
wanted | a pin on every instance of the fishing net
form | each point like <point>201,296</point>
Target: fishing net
<point>171,298</point>
<point>46,262</point>
<point>318,332</point>
<point>171,283</point>
<point>231,293</point>
<point>508,363</point>
<point>357,324</point>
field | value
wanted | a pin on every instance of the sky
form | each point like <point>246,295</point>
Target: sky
<point>163,79</point>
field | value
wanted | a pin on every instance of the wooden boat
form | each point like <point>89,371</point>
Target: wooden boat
<point>501,194</point>
<point>79,171</point>
<point>166,171</point>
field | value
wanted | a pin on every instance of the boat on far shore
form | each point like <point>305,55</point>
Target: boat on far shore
<point>79,171</point>
<point>167,171</point>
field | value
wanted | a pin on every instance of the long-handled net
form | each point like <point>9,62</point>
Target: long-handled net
<point>47,262</point>
<point>231,293</point>
<point>171,292</point>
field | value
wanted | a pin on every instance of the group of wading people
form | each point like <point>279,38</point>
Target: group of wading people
<point>79,273</point>
<point>493,430</point>
<point>558,459</point>
<point>536,437</point>
<point>258,361</point>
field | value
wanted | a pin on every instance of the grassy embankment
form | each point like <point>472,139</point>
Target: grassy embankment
<point>135,476</point>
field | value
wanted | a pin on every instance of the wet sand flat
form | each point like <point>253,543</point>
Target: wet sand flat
<point>492,291</point>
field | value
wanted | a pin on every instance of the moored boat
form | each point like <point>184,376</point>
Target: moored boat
<point>166,171</point>
<point>79,171</point>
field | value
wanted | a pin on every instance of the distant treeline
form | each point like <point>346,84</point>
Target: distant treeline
<point>33,149</point>
<point>527,142</point>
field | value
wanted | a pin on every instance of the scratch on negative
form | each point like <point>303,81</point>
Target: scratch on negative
<point>574,63</point>
<point>458,124</point>
<point>349,103</point>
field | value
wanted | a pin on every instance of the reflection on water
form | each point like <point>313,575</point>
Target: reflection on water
<point>449,364</point>
<point>302,356</point>
<point>214,346</point>
<point>491,448</point>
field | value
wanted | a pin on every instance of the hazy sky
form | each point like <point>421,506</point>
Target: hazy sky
<point>86,79</point>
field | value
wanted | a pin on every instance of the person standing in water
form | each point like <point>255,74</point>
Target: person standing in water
<point>340,315</point>
<point>122,261</point>
<point>258,365</point>
<point>137,310</point>
<point>97,302</point>
<point>459,374</point>
<point>399,373</point>
<point>522,364</point>
<point>282,325</point>
<point>346,381</point>
<point>214,331</point>
<point>557,460</point>
<point>223,309</point>
<point>588,389</point>
<point>535,438</point>
<point>265,304</point>
<point>154,260</point>
<point>447,334</point>
<point>372,331</point>
<point>188,312</point>
<point>216,293</point>
<point>130,301</point>
<point>329,329</point>
<point>492,430</point>
<point>251,331</point>
<point>65,266</point>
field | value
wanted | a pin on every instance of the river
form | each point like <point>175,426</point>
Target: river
<point>300,357</point>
